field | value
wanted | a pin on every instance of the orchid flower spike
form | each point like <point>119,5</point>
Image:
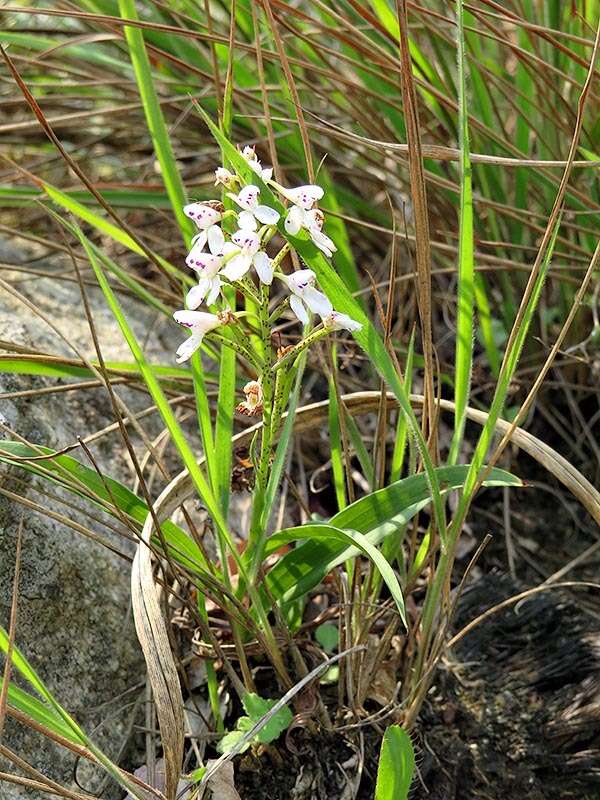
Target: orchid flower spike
<point>304,214</point>
<point>305,297</point>
<point>253,212</point>
<point>200,323</point>
<point>250,155</point>
<point>336,321</point>
<point>249,254</point>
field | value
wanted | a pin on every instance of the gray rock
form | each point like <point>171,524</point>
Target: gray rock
<point>74,616</point>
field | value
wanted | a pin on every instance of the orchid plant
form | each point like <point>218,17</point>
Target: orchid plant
<point>239,249</point>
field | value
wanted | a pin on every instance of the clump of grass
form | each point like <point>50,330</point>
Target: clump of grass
<point>364,101</point>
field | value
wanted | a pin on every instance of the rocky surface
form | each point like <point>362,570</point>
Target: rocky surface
<point>74,616</point>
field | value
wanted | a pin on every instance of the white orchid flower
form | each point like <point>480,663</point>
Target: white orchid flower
<point>250,155</point>
<point>304,197</point>
<point>305,297</point>
<point>200,323</point>
<point>249,254</point>
<point>311,219</point>
<point>253,212</point>
<point>207,265</point>
<point>336,321</point>
<point>206,216</point>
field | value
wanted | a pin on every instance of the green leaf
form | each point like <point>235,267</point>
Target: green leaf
<point>257,707</point>
<point>40,712</point>
<point>377,515</point>
<point>350,539</point>
<point>103,491</point>
<point>154,118</point>
<point>396,765</point>
<point>466,262</point>
<point>328,636</point>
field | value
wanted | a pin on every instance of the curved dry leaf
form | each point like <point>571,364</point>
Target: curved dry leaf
<point>308,416</point>
<point>162,672</point>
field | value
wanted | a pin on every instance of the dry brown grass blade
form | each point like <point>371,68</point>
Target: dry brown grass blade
<point>285,64</point>
<point>12,627</point>
<point>418,192</point>
<point>308,417</point>
<point>47,128</point>
<point>162,672</point>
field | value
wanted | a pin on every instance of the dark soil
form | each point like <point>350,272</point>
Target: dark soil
<point>515,713</point>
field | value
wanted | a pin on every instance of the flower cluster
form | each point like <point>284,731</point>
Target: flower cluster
<point>223,257</point>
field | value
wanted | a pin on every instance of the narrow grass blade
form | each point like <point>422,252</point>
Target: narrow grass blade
<point>155,119</point>
<point>466,264</point>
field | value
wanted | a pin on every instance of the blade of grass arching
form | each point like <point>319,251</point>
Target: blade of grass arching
<point>24,668</point>
<point>16,196</point>
<point>108,228</point>
<point>463,363</point>
<point>28,704</point>
<point>342,299</point>
<point>155,119</point>
<point>105,492</point>
<point>401,426</point>
<point>377,516</point>
<point>124,277</point>
<point>336,229</point>
<point>56,367</point>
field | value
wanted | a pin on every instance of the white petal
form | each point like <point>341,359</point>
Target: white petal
<point>215,288</point>
<point>246,221</point>
<point>216,240</point>
<point>196,294</point>
<point>300,280</point>
<point>323,242</point>
<point>293,221</point>
<point>317,302</point>
<point>230,247</point>
<point>247,240</point>
<point>204,216</point>
<point>263,267</point>
<point>267,174</point>
<point>199,240</point>
<point>204,262</point>
<point>266,215</point>
<point>187,349</point>
<point>305,196</point>
<point>237,267</point>
<point>248,197</point>
<point>298,308</point>
<point>255,166</point>
<point>338,321</point>
<point>198,321</point>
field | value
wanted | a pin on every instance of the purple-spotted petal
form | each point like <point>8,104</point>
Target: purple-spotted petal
<point>248,197</point>
<point>204,216</point>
